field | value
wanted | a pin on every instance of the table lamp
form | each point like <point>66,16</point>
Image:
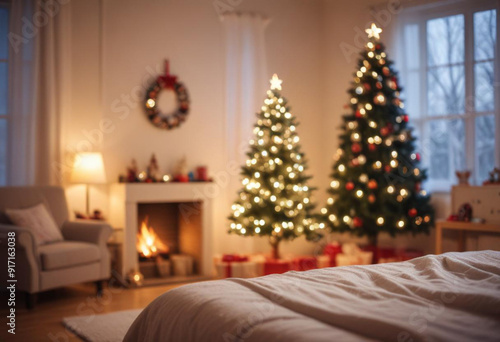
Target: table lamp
<point>88,168</point>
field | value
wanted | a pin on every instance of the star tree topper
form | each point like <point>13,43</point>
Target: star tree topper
<point>374,31</point>
<point>275,82</point>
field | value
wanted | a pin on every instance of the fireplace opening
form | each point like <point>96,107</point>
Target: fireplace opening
<point>169,239</point>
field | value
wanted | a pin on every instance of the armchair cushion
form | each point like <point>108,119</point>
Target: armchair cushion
<point>66,254</point>
<point>39,220</point>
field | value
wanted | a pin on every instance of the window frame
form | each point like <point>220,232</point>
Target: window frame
<point>420,16</point>
<point>7,115</point>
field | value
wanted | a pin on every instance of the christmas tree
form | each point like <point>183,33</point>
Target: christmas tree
<point>275,200</point>
<point>376,181</point>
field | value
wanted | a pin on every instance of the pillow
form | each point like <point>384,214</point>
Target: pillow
<point>37,219</point>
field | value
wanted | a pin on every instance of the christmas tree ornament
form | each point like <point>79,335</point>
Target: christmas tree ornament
<point>387,201</point>
<point>275,200</point>
<point>349,186</point>
<point>356,148</point>
<point>372,184</point>
<point>357,222</point>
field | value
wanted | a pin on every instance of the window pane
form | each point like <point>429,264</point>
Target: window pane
<point>412,94</point>
<point>446,148</point>
<point>3,88</point>
<point>485,26</point>
<point>411,48</point>
<point>445,40</point>
<point>445,90</point>
<point>484,77</point>
<point>4,28</point>
<point>3,151</point>
<point>485,147</point>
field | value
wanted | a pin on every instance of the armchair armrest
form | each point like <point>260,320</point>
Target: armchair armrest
<point>24,237</point>
<point>27,260</point>
<point>93,232</point>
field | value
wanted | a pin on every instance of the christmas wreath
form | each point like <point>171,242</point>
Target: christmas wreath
<point>167,120</point>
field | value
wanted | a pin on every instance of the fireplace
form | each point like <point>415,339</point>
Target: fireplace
<point>178,214</point>
<point>165,230</point>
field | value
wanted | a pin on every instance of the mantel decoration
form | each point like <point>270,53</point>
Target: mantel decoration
<point>167,82</point>
<point>152,174</point>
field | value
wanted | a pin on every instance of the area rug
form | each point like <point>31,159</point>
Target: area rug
<point>110,327</point>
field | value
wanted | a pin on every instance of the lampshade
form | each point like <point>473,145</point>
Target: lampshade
<point>88,168</point>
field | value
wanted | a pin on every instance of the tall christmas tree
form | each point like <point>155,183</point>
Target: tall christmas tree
<point>376,181</point>
<point>275,200</point>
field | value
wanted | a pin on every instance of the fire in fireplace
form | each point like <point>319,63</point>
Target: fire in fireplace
<point>148,243</point>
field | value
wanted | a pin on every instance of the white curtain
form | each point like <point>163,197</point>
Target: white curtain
<point>246,78</point>
<point>39,89</point>
<point>246,85</point>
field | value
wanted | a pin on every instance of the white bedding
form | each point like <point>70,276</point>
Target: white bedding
<point>450,297</point>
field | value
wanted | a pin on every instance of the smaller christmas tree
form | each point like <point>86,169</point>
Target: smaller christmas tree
<point>275,200</point>
<point>376,179</point>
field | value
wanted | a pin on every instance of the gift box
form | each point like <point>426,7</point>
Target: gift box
<point>323,261</point>
<point>277,266</point>
<point>332,249</point>
<point>353,255</point>
<point>239,266</point>
<point>383,255</point>
<point>304,263</point>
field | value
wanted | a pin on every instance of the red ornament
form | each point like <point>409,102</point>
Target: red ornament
<point>387,168</point>
<point>358,114</point>
<point>372,147</point>
<point>378,46</point>
<point>412,212</point>
<point>385,131</point>
<point>367,86</point>
<point>417,186</point>
<point>357,222</point>
<point>356,148</point>
<point>386,71</point>
<point>405,118</point>
<point>372,184</point>
<point>378,85</point>
<point>349,186</point>
<point>355,162</point>
<point>371,199</point>
<point>417,156</point>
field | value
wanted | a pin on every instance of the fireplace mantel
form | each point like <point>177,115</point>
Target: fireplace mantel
<point>125,197</point>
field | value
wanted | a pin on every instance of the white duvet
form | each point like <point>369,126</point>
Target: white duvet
<point>450,297</point>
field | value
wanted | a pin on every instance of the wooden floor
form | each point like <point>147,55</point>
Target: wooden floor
<point>44,322</point>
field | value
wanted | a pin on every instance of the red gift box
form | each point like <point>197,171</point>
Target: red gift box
<point>304,263</point>
<point>408,254</point>
<point>332,249</point>
<point>230,258</point>
<point>234,258</point>
<point>277,266</point>
<point>390,254</point>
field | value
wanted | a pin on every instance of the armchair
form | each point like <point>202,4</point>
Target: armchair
<point>81,257</point>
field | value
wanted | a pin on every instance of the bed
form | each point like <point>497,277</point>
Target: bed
<point>448,297</point>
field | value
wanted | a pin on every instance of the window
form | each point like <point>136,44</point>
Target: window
<point>449,65</point>
<point>4,64</point>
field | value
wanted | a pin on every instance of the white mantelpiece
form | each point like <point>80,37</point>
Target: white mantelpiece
<point>124,200</point>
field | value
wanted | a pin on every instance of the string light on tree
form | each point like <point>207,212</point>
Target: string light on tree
<point>275,200</point>
<point>376,180</point>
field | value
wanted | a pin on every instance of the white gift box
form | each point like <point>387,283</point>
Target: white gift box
<point>239,269</point>
<point>182,264</point>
